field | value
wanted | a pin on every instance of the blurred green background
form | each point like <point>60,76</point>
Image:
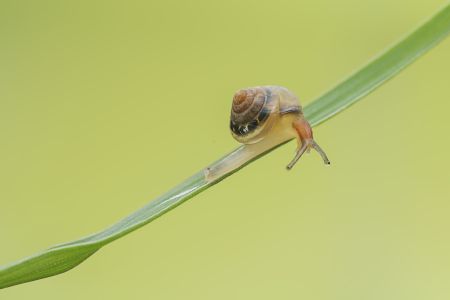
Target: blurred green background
<point>104,105</point>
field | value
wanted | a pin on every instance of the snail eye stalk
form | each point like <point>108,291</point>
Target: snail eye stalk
<point>305,142</point>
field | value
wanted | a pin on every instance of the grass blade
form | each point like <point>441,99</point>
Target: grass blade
<point>61,258</point>
<point>381,69</point>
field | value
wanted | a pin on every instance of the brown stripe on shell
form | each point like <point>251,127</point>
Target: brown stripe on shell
<point>242,100</point>
<point>247,104</point>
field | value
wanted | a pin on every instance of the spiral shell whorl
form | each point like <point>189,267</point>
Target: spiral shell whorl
<point>250,109</point>
<point>247,104</point>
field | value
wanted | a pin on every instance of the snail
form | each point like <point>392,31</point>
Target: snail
<point>256,110</point>
<point>263,118</point>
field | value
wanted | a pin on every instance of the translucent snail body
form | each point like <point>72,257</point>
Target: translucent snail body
<point>261,118</point>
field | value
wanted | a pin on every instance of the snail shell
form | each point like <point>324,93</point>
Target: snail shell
<point>256,109</point>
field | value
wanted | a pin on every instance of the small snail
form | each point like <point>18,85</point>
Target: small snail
<point>263,118</point>
<point>261,112</point>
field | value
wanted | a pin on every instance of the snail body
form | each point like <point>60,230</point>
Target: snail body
<point>256,111</point>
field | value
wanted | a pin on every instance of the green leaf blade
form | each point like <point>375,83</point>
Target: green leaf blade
<point>48,263</point>
<point>381,69</point>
